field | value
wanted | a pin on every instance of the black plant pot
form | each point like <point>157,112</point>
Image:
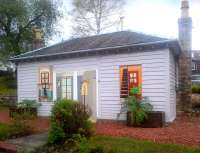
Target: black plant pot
<point>155,119</point>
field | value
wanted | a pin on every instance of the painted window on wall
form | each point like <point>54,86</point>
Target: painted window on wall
<point>130,80</point>
<point>45,84</point>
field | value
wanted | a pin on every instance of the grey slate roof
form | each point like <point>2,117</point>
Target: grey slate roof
<point>115,39</point>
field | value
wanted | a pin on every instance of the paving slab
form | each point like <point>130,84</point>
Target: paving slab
<point>30,143</point>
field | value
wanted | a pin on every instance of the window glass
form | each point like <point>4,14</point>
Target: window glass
<point>65,87</point>
<point>130,80</point>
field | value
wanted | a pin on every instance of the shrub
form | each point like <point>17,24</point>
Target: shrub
<point>4,131</point>
<point>196,88</point>
<point>20,125</point>
<point>7,85</point>
<point>68,119</point>
<point>196,103</point>
<point>28,104</point>
<point>22,150</point>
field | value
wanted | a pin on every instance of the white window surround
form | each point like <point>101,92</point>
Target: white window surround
<point>75,85</point>
<point>194,66</point>
<point>54,86</point>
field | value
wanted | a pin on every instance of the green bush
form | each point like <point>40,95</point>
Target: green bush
<point>196,103</point>
<point>196,88</point>
<point>20,125</point>
<point>22,150</point>
<point>4,131</point>
<point>28,104</point>
<point>8,85</point>
<point>69,118</point>
<point>74,145</point>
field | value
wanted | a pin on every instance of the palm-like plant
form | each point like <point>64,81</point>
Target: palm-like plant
<point>137,108</point>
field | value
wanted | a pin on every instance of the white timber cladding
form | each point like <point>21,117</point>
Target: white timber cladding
<point>173,84</point>
<point>157,80</point>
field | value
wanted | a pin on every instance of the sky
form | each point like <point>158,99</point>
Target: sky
<point>154,17</point>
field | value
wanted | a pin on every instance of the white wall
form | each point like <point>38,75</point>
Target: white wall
<point>173,83</point>
<point>156,76</point>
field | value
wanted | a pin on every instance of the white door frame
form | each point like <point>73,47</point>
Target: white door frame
<point>75,87</point>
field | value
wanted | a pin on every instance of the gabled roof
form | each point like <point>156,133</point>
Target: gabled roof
<point>98,43</point>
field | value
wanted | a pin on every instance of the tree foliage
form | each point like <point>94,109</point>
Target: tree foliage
<point>95,16</point>
<point>19,18</point>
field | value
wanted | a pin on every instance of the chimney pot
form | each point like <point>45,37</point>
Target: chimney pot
<point>185,8</point>
<point>39,39</point>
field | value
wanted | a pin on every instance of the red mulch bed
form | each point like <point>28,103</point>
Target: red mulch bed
<point>183,131</point>
<point>4,116</point>
<point>39,124</point>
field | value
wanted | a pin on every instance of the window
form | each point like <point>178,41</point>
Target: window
<point>130,77</point>
<point>64,86</point>
<point>194,66</point>
<point>67,87</point>
<point>45,84</point>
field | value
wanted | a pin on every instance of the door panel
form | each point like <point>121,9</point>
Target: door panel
<point>90,99</point>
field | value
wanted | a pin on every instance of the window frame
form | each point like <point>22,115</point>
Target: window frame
<point>66,87</point>
<point>131,68</point>
<point>45,85</point>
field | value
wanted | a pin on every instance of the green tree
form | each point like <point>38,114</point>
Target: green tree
<point>19,18</point>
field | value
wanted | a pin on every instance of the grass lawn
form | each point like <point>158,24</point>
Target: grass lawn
<point>128,145</point>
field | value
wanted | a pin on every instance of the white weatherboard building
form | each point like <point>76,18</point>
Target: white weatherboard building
<point>111,64</point>
<point>108,62</point>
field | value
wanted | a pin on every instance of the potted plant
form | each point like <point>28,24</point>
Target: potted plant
<point>29,106</point>
<point>139,111</point>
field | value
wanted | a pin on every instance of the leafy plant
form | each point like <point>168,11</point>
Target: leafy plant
<point>136,106</point>
<point>68,119</point>
<point>196,103</point>
<point>196,88</point>
<point>135,90</point>
<point>28,104</point>
<point>22,150</point>
<point>7,85</point>
<point>4,131</point>
<point>20,124</point>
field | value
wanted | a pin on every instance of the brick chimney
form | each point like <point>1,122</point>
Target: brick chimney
<point>39,39</point>
<point>185,62</point>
